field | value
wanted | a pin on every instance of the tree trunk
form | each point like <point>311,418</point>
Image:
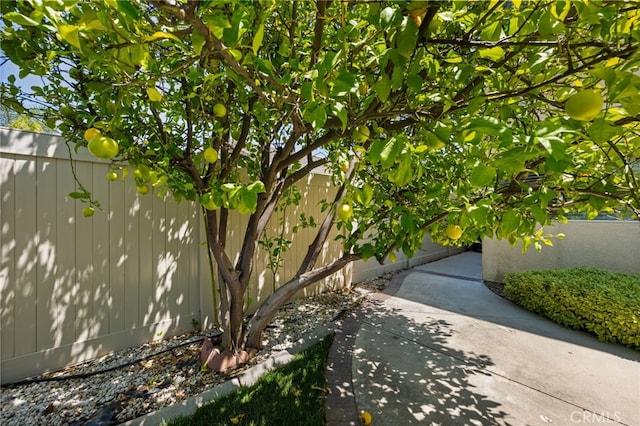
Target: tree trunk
<point>270,307</point>
<point>231,288</point>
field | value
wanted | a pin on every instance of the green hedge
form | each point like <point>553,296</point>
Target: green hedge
<point>602,302</point>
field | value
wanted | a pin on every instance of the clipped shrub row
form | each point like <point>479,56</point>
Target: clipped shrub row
<point>602,302</point>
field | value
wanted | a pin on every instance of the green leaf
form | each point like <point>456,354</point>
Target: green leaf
<point>316,116</point>
<point>631,104</point>
<point>20,19</point>
<point>513,160</point>
<point>539,214</point>
<point>197,41</point>
<point>453,58</point>
<point>344,84</point>
<point>383,87</point>
<point>482,175</point>
<point>306,90</point>
<point>560,9</point>
<point>70,34</point>
<point>491,32</point>
<point>555,146</point>
<point>257,187</point>
<point>257,39</point>
<point>375,152</point>
<point>548,24</point>
<point>80,195</point>
<point>495,53</point>
<point>248,201</point>
<point>488,126</point>
<point>126,7</point>
<point>217,19</point>
<point>392,147</point>
<point>364,195</point>
<point>602,131</point>
<point>403,174</point>
<point>339,110</point>
<point>161,35</point>
<point>478,214</point>
<point>407,223</point>
<point>414,82</point>
<point>407,37</point>
<point>510,222</point>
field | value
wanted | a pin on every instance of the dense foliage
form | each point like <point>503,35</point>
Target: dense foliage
<point>602,302</point>
<point>444,118</point>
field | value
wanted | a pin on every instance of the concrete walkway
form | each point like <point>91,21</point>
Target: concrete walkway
<point>438,347</point>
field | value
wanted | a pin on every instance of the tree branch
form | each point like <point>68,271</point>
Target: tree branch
<point>321,9</point>
<point>269,308</point>
<point>189,114</point>
<point>505,43</point>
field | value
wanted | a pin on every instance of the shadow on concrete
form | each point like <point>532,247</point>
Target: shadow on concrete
<point>411,376</point>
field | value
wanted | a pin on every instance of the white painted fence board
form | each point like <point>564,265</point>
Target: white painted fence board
<point>8,287</point>
<point>66,285</point>
<point>101,259</point>
<point>132,259</point>
<point>47,244</point>
<point>25,255</point>
<point>117,260</point>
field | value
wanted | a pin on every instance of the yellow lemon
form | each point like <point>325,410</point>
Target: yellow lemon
<point>454,232</point>
<point>88,211</point>
<point>91,133</point>
<point>365,418</point>
<point>103,147</point>
<point>361,134</point>
<point>210,155</point>
<point>585,105</point>
<point>219,110</point>
<point>112,175</point>
<point>142,189</point>
<point>344,212</point>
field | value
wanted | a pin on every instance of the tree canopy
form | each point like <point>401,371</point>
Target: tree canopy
<point>433,117</point>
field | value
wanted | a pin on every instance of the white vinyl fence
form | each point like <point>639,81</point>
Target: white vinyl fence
<point>73,288</point>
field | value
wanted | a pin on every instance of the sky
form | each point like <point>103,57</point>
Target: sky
<point>9,68</point>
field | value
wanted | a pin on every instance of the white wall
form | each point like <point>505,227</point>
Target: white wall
<point>430,251</point>
<point>613,245</point>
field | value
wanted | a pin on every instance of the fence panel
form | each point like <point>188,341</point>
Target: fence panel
<point>72,288</point>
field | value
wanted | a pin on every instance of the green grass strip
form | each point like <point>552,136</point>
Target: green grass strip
<point>289,395</point>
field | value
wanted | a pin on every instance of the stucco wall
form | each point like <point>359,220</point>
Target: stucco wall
<point>430,251</point>
<point>613,245</point>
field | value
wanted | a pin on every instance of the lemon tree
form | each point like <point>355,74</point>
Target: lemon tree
<point>494,116</point>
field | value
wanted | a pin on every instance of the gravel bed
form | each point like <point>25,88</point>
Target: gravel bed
<point>159,373</point>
